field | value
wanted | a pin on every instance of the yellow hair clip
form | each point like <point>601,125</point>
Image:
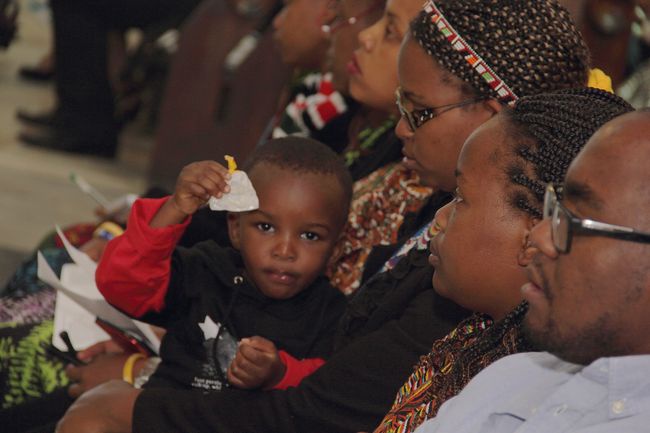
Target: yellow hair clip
<point>232,165</point>
<point>600,80</point>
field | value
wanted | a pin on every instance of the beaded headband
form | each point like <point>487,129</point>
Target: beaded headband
<point>504,93</point>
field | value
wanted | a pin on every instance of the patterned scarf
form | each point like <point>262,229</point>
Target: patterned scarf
<point>453,361</point>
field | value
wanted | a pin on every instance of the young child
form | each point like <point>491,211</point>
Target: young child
<point>268,293</point>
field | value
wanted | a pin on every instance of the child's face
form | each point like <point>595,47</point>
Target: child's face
<point>286,243</point>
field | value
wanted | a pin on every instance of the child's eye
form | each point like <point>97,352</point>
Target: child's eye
<point>310,236</point>
<point>265,227</point>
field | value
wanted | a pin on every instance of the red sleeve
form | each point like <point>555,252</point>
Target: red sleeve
<point>297,369</point>
<point>133,273</point>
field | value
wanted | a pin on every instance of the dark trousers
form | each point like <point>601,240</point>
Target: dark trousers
<point>85,100</point>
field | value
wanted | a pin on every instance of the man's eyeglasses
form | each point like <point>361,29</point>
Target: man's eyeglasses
<point>416,118</point>
<point>564,225</point>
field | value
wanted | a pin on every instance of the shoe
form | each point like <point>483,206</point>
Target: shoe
<point>35,73</point>
<point>47,119</point>
<point>62,143</point>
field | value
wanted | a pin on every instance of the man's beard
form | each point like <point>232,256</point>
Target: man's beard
<point>579,346</point>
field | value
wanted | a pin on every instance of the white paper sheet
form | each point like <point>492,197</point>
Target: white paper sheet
<point>79,302</point>
<point>241,198</point>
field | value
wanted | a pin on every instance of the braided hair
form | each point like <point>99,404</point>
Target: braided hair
<point>547,131</point>
<point>531,44</point>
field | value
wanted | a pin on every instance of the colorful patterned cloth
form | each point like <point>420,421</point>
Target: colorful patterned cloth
<point>26,371</point>
<point>420,240</point>
<point>316,110</point>
<point>26,322</point>
<point>379,203</point>
<point>453,361</point>
<point>413,404</point>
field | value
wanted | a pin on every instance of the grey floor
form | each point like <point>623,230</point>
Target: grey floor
<point>35,191</point>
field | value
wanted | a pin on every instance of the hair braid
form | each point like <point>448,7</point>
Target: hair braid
<point>549,130</point>
<point>532,45</point>
<point>544,133</point>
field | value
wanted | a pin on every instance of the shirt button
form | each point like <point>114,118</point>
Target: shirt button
<point>238,279</point>
<point>618,406</point>
<point>560,409</point>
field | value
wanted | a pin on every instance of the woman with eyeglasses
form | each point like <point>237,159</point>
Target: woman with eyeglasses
<point>454,75</point>
<point>482,248</point>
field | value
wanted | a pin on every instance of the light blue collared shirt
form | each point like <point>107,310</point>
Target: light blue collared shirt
<point>539,393</point>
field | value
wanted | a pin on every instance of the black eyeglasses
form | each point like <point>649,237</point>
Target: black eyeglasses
<point>564,224</point>
<point>416,118</point>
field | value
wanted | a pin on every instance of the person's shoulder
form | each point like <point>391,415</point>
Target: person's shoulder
<point>526,368</point>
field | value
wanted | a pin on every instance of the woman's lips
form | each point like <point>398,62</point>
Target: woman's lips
<point>410,163</point>
<point>353,66</point>
<point>434,260</point>
<point>434,257</point>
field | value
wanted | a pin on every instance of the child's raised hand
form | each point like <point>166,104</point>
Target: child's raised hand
<point>194,186</point>
<point>197,182</point>
<point>256,364</point>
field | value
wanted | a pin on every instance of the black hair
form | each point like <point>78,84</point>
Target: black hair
<point>547,132</point>
<point>303,155</point>
<point>532,45</point>
<point>544,134</point>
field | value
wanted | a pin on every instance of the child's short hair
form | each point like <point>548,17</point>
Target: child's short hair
<point>301,154</point>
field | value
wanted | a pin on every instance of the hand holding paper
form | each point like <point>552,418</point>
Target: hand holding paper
<point>196,183</point>
<point>242,196</point>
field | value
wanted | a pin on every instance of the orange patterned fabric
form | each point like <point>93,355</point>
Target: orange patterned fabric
<point>379,203</point>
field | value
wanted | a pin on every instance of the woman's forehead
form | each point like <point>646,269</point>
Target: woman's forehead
<point>485,148</point>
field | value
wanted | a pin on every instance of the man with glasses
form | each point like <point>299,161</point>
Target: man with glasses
<point>589,305</point>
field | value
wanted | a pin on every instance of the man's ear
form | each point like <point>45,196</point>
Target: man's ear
<point>527,250</point>
<point>233,229</point>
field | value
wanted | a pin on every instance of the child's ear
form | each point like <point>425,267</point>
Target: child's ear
<point>528,250</point>
<point>233,229</point>
<point>337,251</point>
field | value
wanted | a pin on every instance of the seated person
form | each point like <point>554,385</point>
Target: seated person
<point>487,282</point>
<point>482,249</point>
<point>267,293</point>
<point>588,296</point>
